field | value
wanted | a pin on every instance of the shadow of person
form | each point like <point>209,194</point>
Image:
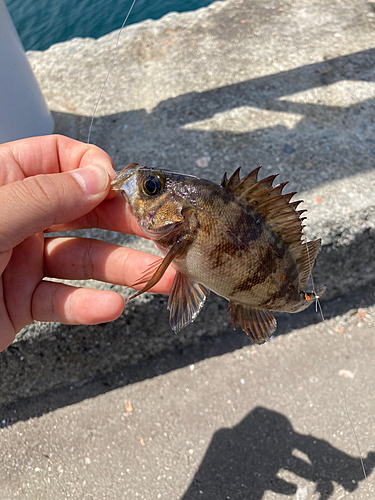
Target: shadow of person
<point>243,462</point>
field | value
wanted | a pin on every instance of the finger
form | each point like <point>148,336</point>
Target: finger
<point>4,261</point>
<point>82,259</point>
<point>48,154</point>
<point>36,203</point>
<point>7,332</point>
<point>112,215</point>
<point>75,306</point>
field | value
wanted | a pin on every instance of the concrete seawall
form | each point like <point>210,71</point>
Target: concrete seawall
<point>237,83</point>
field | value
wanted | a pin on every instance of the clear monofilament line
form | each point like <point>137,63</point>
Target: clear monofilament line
<point>109,71</point>
<point>318,305</point>
<point>317,301</point>
<point>355,436</point>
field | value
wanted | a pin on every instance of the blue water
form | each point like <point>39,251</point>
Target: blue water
<point>40,23</point>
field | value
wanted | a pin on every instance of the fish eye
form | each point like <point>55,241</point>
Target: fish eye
<point>152,184</point>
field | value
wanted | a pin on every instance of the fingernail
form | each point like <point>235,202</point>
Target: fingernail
<point>93,179</point>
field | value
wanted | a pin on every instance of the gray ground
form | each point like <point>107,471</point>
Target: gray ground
<point>128,409</point>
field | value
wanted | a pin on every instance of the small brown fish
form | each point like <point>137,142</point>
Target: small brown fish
<point>242,240</point>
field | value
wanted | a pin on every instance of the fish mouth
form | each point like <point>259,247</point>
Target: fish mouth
<point>127,181</point>
<point>157,233</point>
<point>124,175</point>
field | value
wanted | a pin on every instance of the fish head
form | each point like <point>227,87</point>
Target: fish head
<point>157,206</point>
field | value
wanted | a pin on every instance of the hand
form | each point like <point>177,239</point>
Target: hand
<point>54,183</point>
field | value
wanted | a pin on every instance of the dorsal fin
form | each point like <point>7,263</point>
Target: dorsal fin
<point>233,180</point>
<point>280,213</point>
<point>255,190</point>
<point>224,180</point>
<point>269,201</point>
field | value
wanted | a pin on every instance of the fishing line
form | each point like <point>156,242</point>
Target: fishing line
<point>318,305</point>
<point>355,435</point>
<point>345,404</point>
<point>109,71</point>
<point>317,302</point>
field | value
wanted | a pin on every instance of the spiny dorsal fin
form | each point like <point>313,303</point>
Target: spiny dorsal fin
<point>234,179</point>
<point>224,180</point>
<point>235,184</point>
<point>253,191</point>
<point>268,200</point>
<point>281,215</point>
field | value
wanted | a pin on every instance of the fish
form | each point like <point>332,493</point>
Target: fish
<point>242,239</point>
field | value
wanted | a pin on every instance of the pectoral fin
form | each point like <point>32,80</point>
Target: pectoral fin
<point>258,324</point>
<point>185,301</point>
<point>148,273</point>
<point>156,270</point>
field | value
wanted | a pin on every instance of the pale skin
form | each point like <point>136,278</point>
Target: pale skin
<point>43,188</point>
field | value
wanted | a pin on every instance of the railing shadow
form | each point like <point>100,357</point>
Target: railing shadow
<point>322,140</point>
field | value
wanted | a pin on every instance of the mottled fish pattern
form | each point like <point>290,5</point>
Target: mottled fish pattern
<point>241,239</point>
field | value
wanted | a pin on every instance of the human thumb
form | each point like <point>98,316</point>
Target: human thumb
<point>36,203</point>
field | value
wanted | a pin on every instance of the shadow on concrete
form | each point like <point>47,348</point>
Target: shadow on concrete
<point>83,363</point>
<point>265,92</point>
<point>244,461</point>
<point>323,137</point>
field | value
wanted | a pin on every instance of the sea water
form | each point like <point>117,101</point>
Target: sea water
<point>41,23</point>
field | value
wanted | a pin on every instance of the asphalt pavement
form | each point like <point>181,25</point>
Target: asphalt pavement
<point>220,420</point>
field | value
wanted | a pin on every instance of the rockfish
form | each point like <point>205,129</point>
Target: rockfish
<point>241,239</point>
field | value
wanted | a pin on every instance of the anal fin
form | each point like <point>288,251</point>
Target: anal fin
<point>258,324</point>
<point>185,302</point>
